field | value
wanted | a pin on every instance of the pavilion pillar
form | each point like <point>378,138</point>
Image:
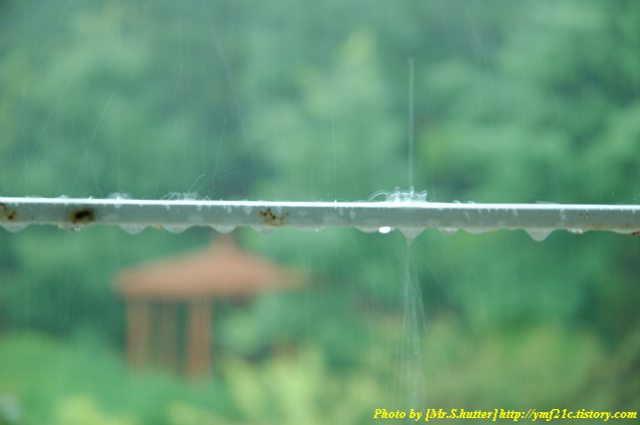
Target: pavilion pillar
<point>168,327</point>
<point>137,333</point>
<point>198,340</point>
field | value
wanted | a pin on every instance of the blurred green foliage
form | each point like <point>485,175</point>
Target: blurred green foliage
<point>92,385</point>
<point>235,99</point>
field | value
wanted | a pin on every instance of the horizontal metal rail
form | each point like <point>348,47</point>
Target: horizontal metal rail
<point>408,215</point>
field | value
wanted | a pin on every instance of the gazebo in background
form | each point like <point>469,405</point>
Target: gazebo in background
<point>155,290</point>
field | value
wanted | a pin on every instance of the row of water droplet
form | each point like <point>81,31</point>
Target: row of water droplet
<point>409,233</point>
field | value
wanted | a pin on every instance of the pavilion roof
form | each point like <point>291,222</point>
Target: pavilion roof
<point>220,270</point>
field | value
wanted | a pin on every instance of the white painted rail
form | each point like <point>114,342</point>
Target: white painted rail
<point>408,215</point>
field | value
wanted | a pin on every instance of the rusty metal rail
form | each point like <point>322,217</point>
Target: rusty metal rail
<point>406,214</point>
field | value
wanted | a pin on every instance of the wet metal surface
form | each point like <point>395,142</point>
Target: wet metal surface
<point>417,216</point>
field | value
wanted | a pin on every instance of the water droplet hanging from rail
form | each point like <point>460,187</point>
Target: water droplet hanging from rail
<point>367,229</point>
<point>13,227</point>
<point>538,235</point>
<point>264,229</point>
<point>176,228</point>
<point>224,229</point>
<point>411,233</point>
<point>132,229</point>
<point>448,230</point>
<point>475,230</point>
<point>75,228</point>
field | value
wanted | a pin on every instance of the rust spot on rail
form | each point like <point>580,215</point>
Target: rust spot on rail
<point>6,213</point>
<point>272,219</point>
<point>83,215</point>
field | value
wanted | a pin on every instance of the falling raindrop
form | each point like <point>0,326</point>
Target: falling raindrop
<point>413,320</point>
<point>119,196</point>
<point>406,196</point>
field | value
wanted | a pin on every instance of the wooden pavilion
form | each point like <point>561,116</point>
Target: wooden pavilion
<point>154,291</point>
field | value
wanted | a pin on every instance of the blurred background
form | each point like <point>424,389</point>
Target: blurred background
<point>514,101</point>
